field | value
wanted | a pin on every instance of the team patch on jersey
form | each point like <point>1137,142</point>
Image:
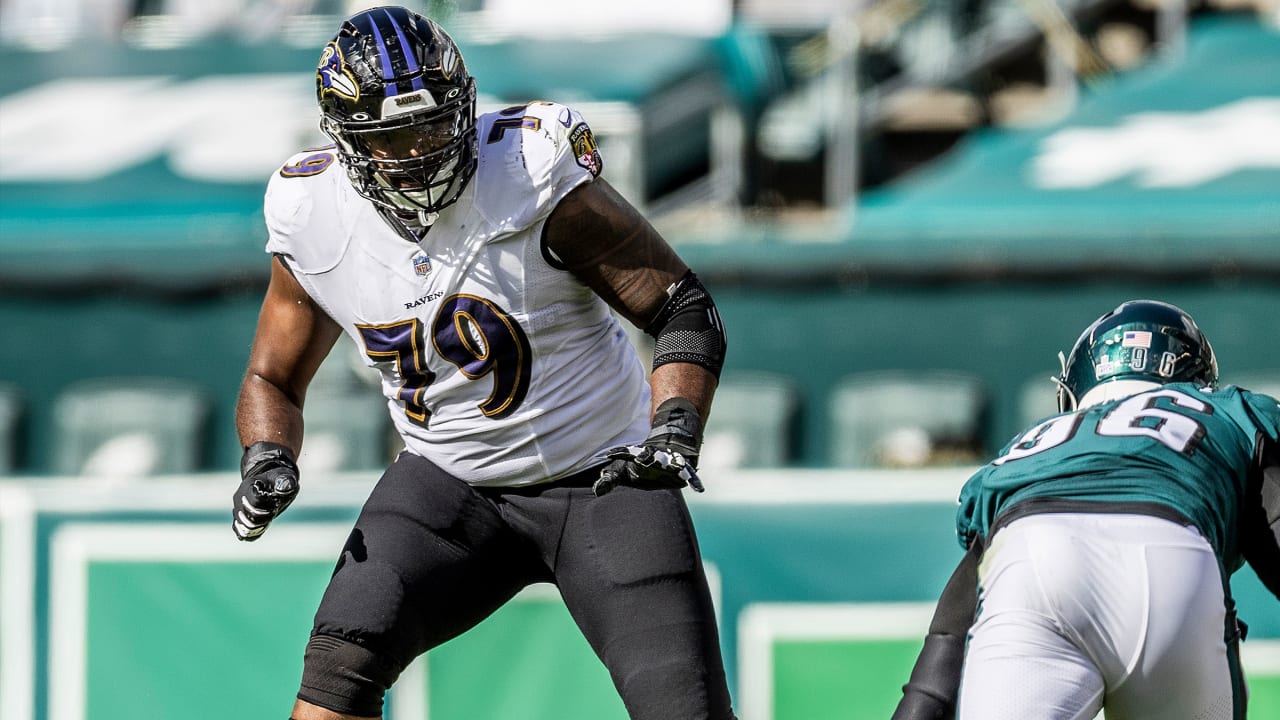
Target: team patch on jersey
<point>585,150</point>
<point>421,264</point>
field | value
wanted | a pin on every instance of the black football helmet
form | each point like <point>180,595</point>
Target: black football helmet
<point>396,97</point>
<point>1141,340</point>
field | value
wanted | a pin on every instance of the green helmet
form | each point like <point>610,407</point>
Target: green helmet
<point>1147,341</point>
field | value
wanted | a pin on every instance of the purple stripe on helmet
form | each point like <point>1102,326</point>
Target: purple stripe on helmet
<point>410,60</point>
<point>384,55</point>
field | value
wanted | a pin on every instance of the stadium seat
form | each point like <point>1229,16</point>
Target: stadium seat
<point>129,427</point>
<point>345,430</point>
<point>347,425</point>
<point>344,370</point>
<point>752,421</point>
<point>1037,399</point>
<point>11,408</point>
<point>908,419</point>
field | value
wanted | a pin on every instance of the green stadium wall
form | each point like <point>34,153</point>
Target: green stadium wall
<point>1005,331</point>
<point>134,600</point>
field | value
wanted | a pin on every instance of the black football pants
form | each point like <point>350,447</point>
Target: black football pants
<point>431,556</point>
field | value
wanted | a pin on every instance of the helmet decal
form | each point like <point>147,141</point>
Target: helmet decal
<point>1136,339</point>
<point>333,76</point>
<point>449,61</point>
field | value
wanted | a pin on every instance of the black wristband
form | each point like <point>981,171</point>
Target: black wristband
<point>677,425</point>
<point>263,454</point>
<point>679,415</point>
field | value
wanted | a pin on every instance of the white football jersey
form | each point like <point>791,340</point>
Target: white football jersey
<point>497,366</point>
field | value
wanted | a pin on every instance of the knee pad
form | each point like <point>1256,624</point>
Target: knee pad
<point>345,677</point>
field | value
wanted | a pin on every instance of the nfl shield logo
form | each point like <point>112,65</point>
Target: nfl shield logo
<point>421,264</point>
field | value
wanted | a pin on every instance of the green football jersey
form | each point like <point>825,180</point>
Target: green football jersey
<point>1178,446</point>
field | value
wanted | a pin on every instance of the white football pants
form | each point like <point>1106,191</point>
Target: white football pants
<point>1081,611</point>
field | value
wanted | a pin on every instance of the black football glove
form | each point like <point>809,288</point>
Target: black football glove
<point>668,457</point>
<point>269,484</point>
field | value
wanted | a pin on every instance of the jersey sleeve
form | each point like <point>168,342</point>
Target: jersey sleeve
<point>968,525</point>
<point>530,158</point>
<point>298,227</point>
<point>1260,511</point>
<point>1264,410</point>
<point>1260,518</point>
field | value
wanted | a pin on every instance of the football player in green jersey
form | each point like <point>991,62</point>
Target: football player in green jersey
<point>1101,541</point>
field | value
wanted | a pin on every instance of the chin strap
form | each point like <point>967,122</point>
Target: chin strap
<point>1064,392</point>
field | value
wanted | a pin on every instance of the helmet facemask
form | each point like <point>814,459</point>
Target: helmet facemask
<point>413,164</point>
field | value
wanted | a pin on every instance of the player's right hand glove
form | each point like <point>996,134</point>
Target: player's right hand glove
<point>269,483</point>
<point>667,458</point>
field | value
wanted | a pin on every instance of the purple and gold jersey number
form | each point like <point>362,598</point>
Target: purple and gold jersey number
<point>310,165</point>
<point>475,335</point>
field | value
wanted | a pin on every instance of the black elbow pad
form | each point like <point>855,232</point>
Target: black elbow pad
<point>688,328</point>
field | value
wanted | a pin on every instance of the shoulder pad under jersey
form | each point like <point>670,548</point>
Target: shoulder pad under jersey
<point>531,156</point>
<point>1265,410</point>
<point>305,208</point>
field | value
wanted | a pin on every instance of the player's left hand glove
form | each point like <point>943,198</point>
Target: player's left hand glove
<point>269,483</point>
<point>667,458</point>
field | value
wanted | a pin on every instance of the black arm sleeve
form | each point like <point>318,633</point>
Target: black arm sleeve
<point>688,328</point>
<point>932,690</point>
<point>1260,516</point>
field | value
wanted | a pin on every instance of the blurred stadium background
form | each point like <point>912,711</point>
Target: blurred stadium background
<point>905,208</point>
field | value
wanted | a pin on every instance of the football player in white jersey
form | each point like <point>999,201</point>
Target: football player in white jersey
<point>476,262</point>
